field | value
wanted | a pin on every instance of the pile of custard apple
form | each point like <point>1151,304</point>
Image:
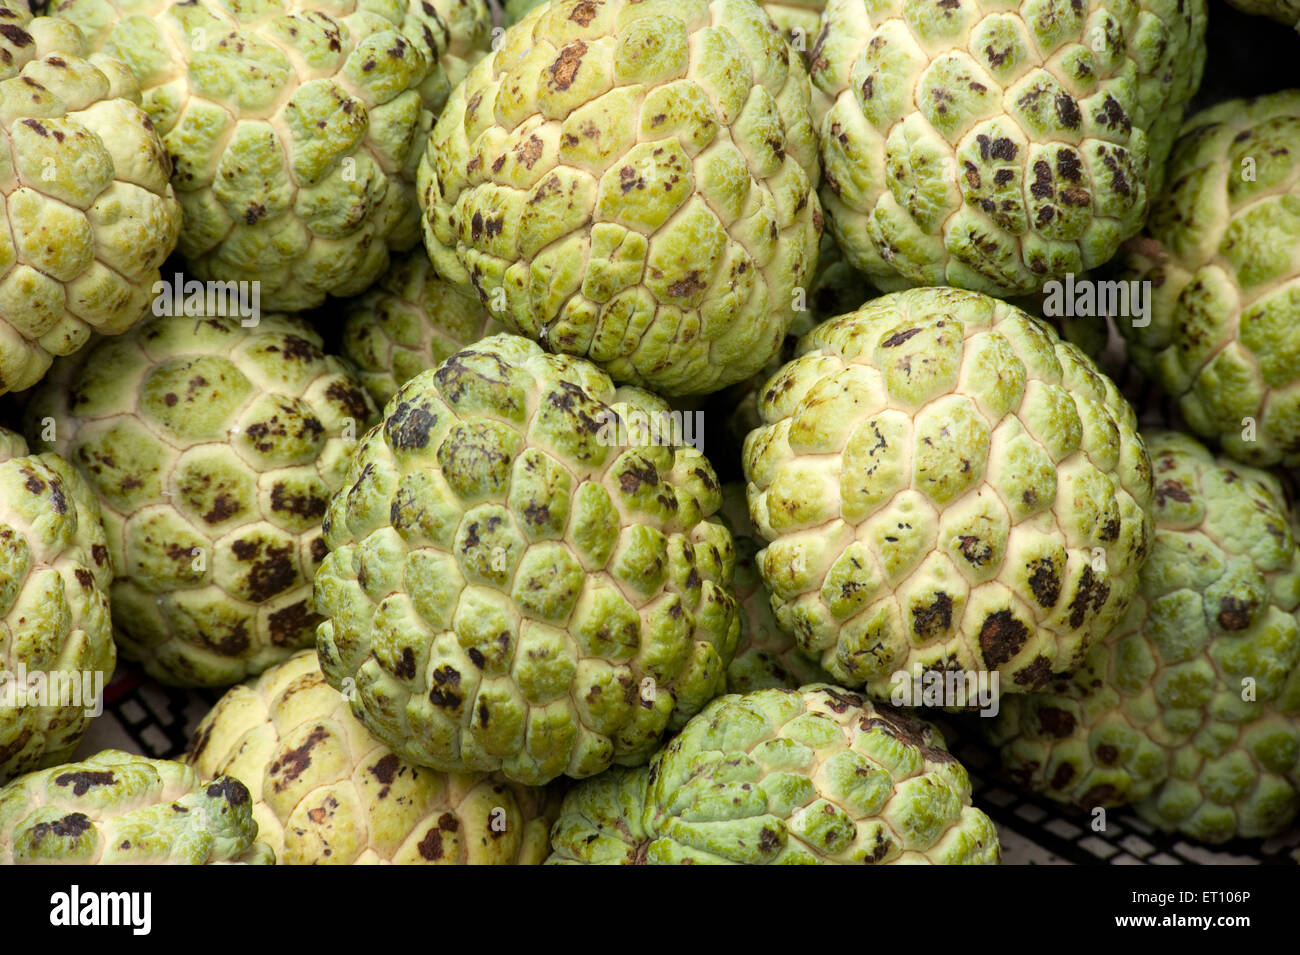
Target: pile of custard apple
<point>609,432</point>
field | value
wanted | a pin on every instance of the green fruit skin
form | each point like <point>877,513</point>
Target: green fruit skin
<point>1188,708</point>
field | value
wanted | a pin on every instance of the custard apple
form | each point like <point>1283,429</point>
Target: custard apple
<point>811,776</point>
<point>295,128</point>
<point>325,791</point>
<point>946,485</point>
<point>121,809</point>
<point>86,212</point>
<point>213,449</point>
<point>996,146</point>
<point>1220,252</point>
<point>410,322</point>
<point>632,182</point>
<point>57,649</point>
<point>766,656</point>
<point>521,577</point>
<point>1190,707</point>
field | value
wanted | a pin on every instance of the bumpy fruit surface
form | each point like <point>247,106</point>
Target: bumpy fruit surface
<point>946,485</point>
<point>635,183</point>
<point>213,450</point>
<point>996,146</point>
<point>410,322</point>
<point>326,792</point>
<point>766,656</point>
<point>86,212</point>
<point>121,809</point>
<point>1220,254</point>
<point>54,617</point>
<point>519,577</point>
<point>796,19</point>
<point>1190,707</point>
<point>295,127</point>
<point>809,776</point>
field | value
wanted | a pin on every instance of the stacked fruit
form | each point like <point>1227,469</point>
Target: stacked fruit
<point>639,219</point>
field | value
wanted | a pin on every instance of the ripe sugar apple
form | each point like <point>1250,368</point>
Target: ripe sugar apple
<point>632,182</point>
<point>120,809</point>
<point>325,791</point>
<point>295,128</point>
<point>946,485</point>
<point>1190,706</point>
<point>1220,254</point>
<point>997,146</point>
<point>817,775</point>
<point>520,578</point>
<point>214,450</point>
<point>411,322</point>
<point>86,213</point>
<point>54,627</point>
<point>766,656</point>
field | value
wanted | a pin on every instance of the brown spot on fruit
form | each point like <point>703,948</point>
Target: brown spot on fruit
<point>1001,637</point>
<point>294,762</point>
<point>1055,722</point>
<point>565,68</point>
<point>82,781</point>
<point>1045,582</point>
<point>1234,614</point>
<point>933,621</point>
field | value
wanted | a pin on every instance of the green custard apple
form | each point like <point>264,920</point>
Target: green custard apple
<point>56,637</point>
<point>945,485</point>
<point>327,792</point>
<point>633,183</point>
<point>1190,707</point>
<point>410,322</point>
<point>294,128</point>
<point>523,576</point>
<point>86,212</point>
<point>121,809</point>
<point>996,146</point>
<point>1221,254</point>
<point>812,776</point>
<point>213,449</point>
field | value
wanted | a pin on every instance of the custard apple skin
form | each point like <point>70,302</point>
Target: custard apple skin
<point>1190,707</point>
<point>813,776</point>
<point>295,128</point>
<point>766,656</point>
<point>326,792</point>
<point>1219,252</point>
<point>54,580</point>
<point>796,19</point>
<point>945,485</point>
<point>117,808</point>
<point>633,183</point>
<point>513,585</point>
<point>996,147</point>
<point>213,450</point>
<point>86,212</point>
<point>410,322</point>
